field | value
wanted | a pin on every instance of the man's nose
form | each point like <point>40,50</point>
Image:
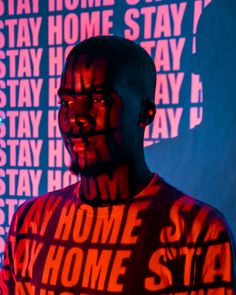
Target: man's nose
<point>79,116</point>
<point>79,120</point>
<point>78,109</point>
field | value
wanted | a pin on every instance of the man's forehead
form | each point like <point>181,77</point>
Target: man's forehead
<point>87,60</point>
<point>85,72</point>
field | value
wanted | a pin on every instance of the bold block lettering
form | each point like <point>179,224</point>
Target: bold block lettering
<point>65,222</point>
<point>52,265</point>
<point>96,267</point>
<point>118,270</point>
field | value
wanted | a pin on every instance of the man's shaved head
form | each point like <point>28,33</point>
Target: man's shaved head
<point>106,96</point>
<point>127,60</point>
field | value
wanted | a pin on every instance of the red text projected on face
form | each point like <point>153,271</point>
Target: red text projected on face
<point>68,27</point>
<point>90,114</point>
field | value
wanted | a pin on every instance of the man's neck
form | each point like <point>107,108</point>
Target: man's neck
<point>120,184</point>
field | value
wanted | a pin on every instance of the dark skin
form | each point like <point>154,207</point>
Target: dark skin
<point>102,119</point>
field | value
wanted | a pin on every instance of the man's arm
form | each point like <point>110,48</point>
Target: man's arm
<point>214,267</point>
<point>7,275</point>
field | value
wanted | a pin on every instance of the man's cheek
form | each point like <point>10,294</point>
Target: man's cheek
<point>68,147</point>
<point>117,137</point>
<point>115,117</point>
<point>116,110</point>
<point>63,122</point>
<point>102,148</point>
<point>100,118</point>
<point>107,117</point>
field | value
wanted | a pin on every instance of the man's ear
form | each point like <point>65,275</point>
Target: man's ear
<point>147,113</point>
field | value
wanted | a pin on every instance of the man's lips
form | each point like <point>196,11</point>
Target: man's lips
<point>78,140</point>
<point>87,141</point>
<point>81,144</point>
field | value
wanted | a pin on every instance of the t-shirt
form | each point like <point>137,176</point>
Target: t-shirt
<point>158,242</point>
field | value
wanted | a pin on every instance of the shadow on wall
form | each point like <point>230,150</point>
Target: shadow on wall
<point>202,162</point>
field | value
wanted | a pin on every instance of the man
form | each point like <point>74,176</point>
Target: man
<point>121,229</point>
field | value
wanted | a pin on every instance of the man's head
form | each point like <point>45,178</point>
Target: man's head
<point>106,95</point>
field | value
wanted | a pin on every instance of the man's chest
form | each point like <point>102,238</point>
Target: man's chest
<point>99,258</point>
<point>120,252</point>
<point>67,268</point>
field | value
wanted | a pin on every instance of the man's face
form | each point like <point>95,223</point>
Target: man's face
<point>90,113</point>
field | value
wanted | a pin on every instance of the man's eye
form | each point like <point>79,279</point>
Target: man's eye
<point>65,102</point>
<point>99,100</point>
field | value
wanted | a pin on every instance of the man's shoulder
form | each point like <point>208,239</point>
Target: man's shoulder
<point>188,213</point>
<point>187,202</point>
<point>62,192</point>
<point>43,204</point>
